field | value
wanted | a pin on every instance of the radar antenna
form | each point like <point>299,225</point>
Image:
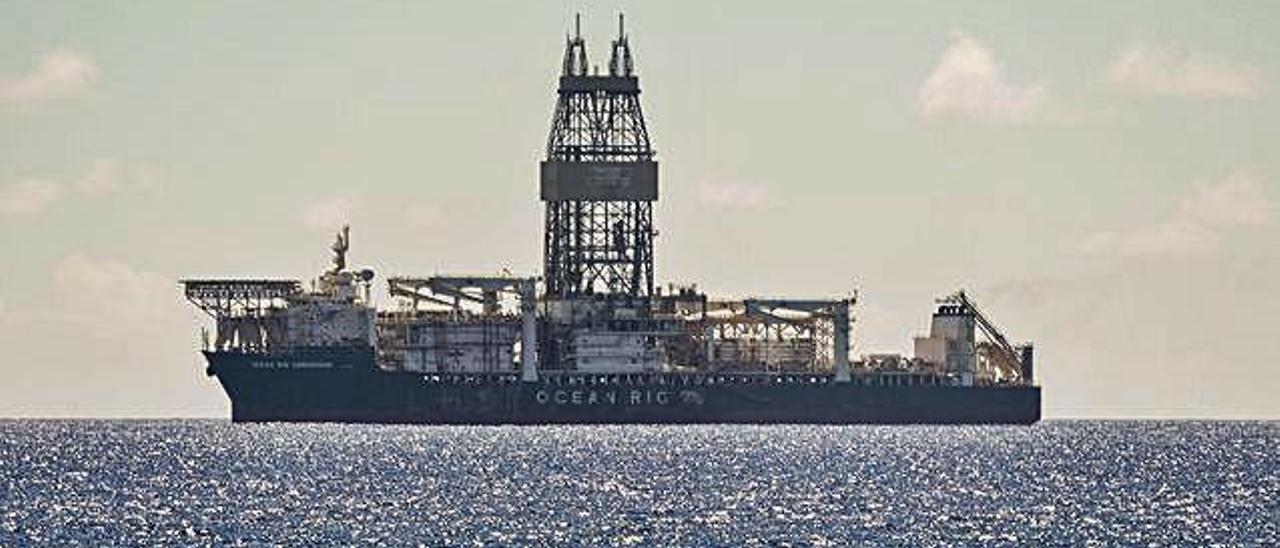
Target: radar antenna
<point>340,247</point>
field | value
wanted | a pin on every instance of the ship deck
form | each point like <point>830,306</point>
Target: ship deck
<point>728,378</point>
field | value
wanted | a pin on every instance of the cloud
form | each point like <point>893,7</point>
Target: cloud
<point>98,289</point>
<point>1174,236</point>
<point>1167,68</point>
<point>28,197</point>
<point>1200,222</point>
<point>111,339</point>
<point>969,82</point>
<point>1237,200</point>
<point>109,176</point>
<point>733,195</point>
<point>57,73</point>
<point>1104,328</point>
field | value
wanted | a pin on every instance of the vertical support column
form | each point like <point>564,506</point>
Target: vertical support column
<point>709,340</point>
<point>529,330</point>
<point>840,319</point>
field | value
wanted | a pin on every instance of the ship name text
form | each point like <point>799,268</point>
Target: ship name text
<point>616,397</point>
<point>291,365</point>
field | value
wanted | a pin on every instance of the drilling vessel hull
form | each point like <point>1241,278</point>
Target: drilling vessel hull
<point>345,387</point>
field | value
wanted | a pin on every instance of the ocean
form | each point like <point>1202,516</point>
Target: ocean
<point>1064,483</point>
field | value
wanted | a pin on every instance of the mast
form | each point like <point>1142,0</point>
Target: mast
<point>599,180</point>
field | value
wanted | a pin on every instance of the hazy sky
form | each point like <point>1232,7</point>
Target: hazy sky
<point>1102,176</point>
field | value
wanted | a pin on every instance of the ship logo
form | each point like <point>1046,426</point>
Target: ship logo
<point>691,397</point>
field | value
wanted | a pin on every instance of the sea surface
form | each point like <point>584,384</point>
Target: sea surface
<point>1057,483</point>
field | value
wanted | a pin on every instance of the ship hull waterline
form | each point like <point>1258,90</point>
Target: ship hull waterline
<point>347,389</point>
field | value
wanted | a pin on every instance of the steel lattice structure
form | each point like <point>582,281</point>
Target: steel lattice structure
<point>599,180</point>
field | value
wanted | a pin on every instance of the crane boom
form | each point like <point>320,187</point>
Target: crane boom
<point>991,331</point>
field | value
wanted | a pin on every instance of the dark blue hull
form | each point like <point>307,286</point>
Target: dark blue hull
<point>344,387</point>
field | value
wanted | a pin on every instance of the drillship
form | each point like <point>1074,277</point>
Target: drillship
<point>593,339</point>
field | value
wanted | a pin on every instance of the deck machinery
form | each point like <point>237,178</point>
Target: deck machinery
<point>506,348</point>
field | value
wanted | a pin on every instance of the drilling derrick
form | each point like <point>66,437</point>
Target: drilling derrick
<point>599,180</point>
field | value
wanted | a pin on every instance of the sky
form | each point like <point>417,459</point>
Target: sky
<point>1102,177</point>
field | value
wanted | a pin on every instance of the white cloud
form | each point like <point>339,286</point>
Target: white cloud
<point>56,74</point>
<point>108,335</point>
<point>110,290</point>
<point>733,195</point>
<point>1174,236</point>
<point>1237,200</point>
<point>1166,68</point>
<point>28,197</point>
<point>1200,222</point>
<point>109,176</point>
<point>969,82</point>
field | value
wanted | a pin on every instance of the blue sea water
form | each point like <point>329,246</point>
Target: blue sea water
<point>1056,483</point>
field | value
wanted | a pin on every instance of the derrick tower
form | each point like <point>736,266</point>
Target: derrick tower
<point>599,180</point>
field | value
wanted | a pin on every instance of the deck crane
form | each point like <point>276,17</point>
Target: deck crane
<point>1011,359</point>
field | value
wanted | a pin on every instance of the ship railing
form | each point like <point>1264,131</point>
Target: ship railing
<point>471,378</point>
<point>353,345</point>
<point>670,379</point>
